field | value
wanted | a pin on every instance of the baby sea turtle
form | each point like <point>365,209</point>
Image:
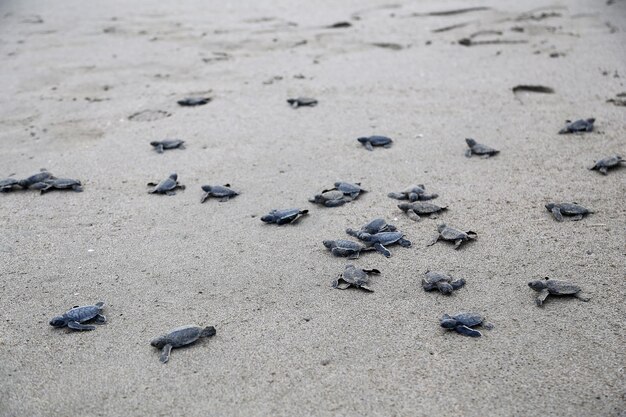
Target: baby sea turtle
<point>379,240</point>
<point>36,178</point>
<point>578,126</point>
<point>442,282</point>
<point>346,248</point>
<point>194,101</point>
<point>548,286</point>
<point>463,322</point>
<point>373,227</point>
<point>476,148</point>
<point>414,209</point>
<point>223,192</point>
<point>371,141</point>
<point>58,184</point>
<point>603,165</point>
<point>160,145</point>
<point>302,101</point>
<point>451,234</point>
<point>354,277</point>
<point>166,186</point>
<point>74,317</point>
<point>8,184</point>
<point>413,193</point>
<point>285,216</point>
<point>572,210</point>
<point>329,198</point>
<point>178,337</point>
<point>349,190</point>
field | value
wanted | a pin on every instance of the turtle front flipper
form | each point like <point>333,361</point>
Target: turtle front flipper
<point>368,146</point>
<point>165,353</point>
<point>543,294</point>
<point>339,283</point>
<point>556,212</point>
<point>334,203</point>
<point>159,148</point>
<point>413,215</point>
<point>381,249</point>
<point>397,196</point>
<point>603,170</point>
<point>170,192</point>
<point>74,325</point>
<point>100,319</point>
<point>468,153</point>
<point>434,240</point>
<point>457,243</point>
<point>467,331</point>
<point>582,297</point>
<point>577,217</point>
<point>204,198</point>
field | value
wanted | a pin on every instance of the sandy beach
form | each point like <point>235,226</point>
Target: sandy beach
<point>87,86</point>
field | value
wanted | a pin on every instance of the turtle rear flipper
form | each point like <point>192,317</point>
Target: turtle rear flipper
<point>152,184</point>
<point>334,203</point>
<point>170,192</point>
<point>471,235</point>
<point>413,215</point>
<point>381,249</point>
<point>582,297</point>
<point>366,288</point>
<point>100,319</point>
<point>371,271</point>
<point>78,188</point>
<point>340,284</point>
<point>467,331</point>
<point>543,294</point>
<point>224,199</point>
<point>556,212</point>
<point>458,283</point>
<point>208,331</point>
<point>405,243</point>
<point>74,325</point>
<point>165,353</point>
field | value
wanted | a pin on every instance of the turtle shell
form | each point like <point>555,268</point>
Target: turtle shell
<point>562,287</point>
<point>433,277</point>
<point>82,314</point>
<point>468,319</point>
<point>449,233</point>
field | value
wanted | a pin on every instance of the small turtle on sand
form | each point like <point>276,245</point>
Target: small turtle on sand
<point>371,141</point>
<point>548,286</point>
<point>223,192</point>
<point>346,248</point>
<point>58,184</point>
<point>414,209</point>
<point>413,193</point>
<point>179,337</point>
<point>380,240</point>
<point>285,216</point>
<point>193,101</point>
<point>463,322</point>
<point>572,210</point>
<point>160,145</point>
<point>442,282</point>
<point>8,184</point>
<point>603,165</point>
<point>74,317</point>
<point>578,126</point>
<point>36,178</point>
<point>349,190</point>
<point>166,186</point>
<point>451,234</point>
<point>476,148</point>
<point>373,227</point>
<point>302,101</point>
<point>329,198</point>
<point>354,277</point>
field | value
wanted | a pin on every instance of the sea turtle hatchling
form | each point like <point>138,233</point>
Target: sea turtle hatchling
<point>462,323</point>
<point>349,190</point>
<point>178,337</point>
<point>548,286</point>
<point>58,184</point>
<point>346,248</point>
<point>379,240</point>
<point>223,192</point>
<point>193,101</point>
<point>36,178</point>
<point>329,198</point>
<point>302,102</point>
<point>354,277</point>
<point>451,234</point>
<point>476,148</point>
<point>373,227</point>
<point>74,317</point>
<point>579,126</point>
<point>371,141</point>
<point>166,186</point>
<point>603,165</point>
<point>161,145</point>
<point>285,216</point>
<point>414,209</point>
<point>413,193</point>
<point>572,210</point>
<point>8,184</point>
<point>442,282</point>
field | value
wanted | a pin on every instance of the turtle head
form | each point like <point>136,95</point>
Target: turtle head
<point>329,243</point>
<point>268,218</point>
<point>550,206</point>
<point>158,342</point>
<point>364,236</point>
<point>317,198</point>
<point>155,143</point>
<point>404,206</point>
<point>445,287</point>
<point>441,227</point>
<point>591,120</point>
<point>58,321</point>
<point>363,140</point>
<point>537,285</point>
<point>448,322</point>
<point>174,176</point>
<point>470,142</point>
<point>206,188</point>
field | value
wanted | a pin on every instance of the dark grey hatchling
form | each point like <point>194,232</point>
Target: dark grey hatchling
<point>548,286</point>
<point>603,165</point>
<point>371,141</point>
<point>58,184</point>
<point>379,240</point>
<point>350,190</point>
<point>41,176</point>
<point>75,317</point>
<point>223,192</point>
<point>462,323</point>
<point>476,148</point>
<point>330,198</point>
<point>285,216</point>
<point>373,227</point>
<point>413,193</point>
<point>161,145</point>
<point>354,277</point>
<point>579,126</point>
<point>346,248</point>
<point>572,210</point>
<point>193,101</point>
<point>443,282</point>
<point>8,184</point>
<point>166,186</point>
<point>302,102</point>
<point>414,209</point>
<point>179,337</point>
<point>451,234</point>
